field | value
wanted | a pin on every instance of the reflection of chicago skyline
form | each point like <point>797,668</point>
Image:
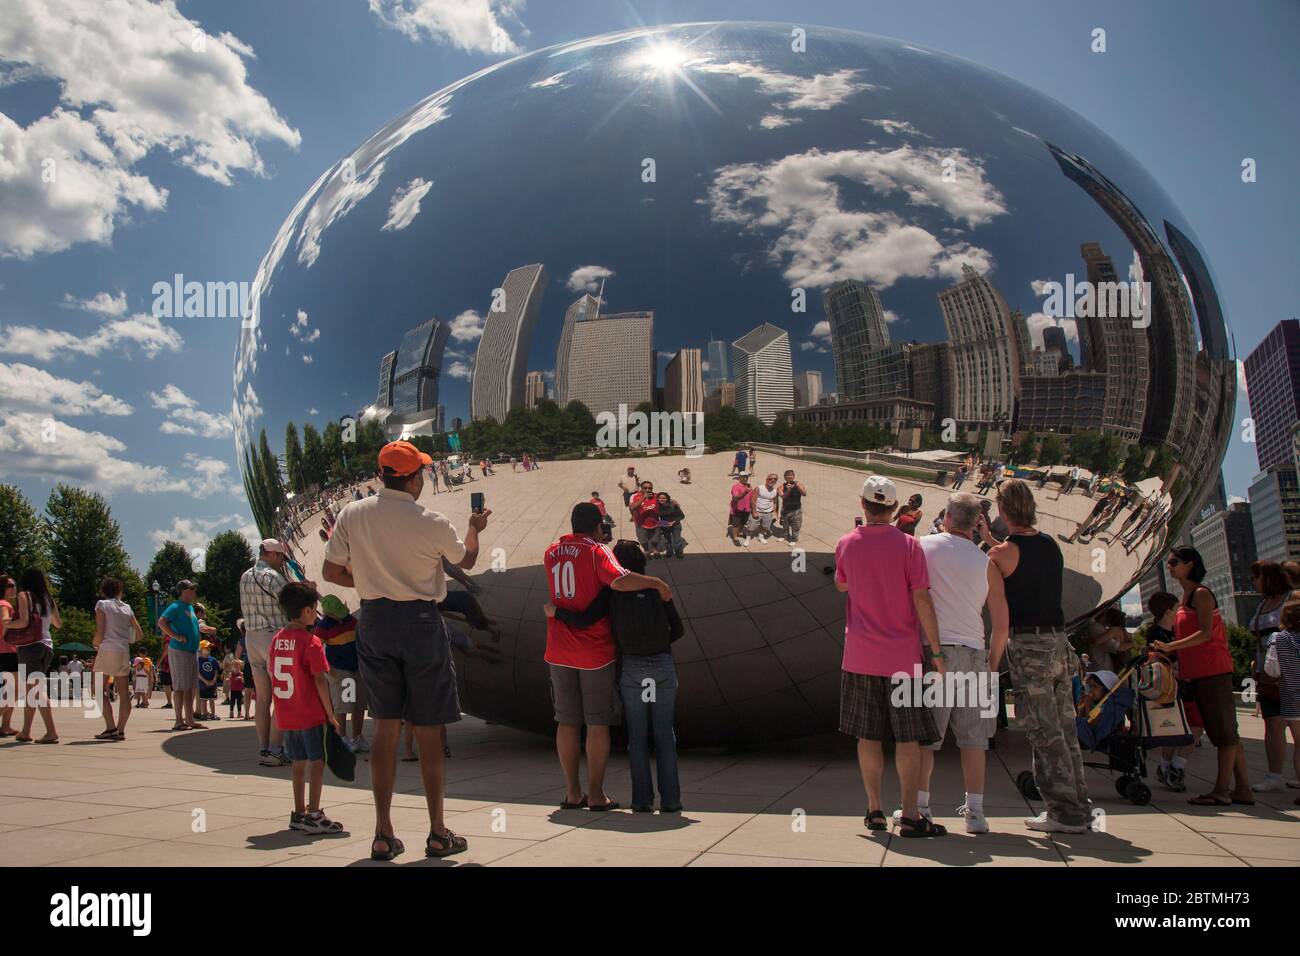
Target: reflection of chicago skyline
<point>1142,381</point>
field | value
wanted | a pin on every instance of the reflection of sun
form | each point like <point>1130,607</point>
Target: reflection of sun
<point>660,57</point>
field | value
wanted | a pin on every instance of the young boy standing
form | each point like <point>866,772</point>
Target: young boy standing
<point>303,708</point>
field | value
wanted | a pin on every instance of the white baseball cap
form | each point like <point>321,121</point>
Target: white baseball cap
<point>879,491</point>
<point>272,545</point>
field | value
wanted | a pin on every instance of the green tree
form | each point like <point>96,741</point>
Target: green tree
<point>78,627</point>
<point>1051,452</point>
<point>85,545</point>
<point>228,556</point>
<point>293,459</point>
<point>171,563</point>
<point>23,542</point>
<point>315,463</point>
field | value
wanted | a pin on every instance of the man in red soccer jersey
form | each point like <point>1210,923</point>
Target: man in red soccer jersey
<point>582,660</point>
<point>303,707</point>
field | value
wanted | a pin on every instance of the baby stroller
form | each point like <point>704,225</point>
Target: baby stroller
<point>1140,712</point>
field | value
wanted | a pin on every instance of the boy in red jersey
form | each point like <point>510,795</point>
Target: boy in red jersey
<point>303,706</point>
<point>582,660</point>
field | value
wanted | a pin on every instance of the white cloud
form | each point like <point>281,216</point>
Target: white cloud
<point>1241,381</point>
<point>134,76</point>
<point>898,127</point>
<point>307,360</point>
<point>820,242</point>
<point>467,327</point>
<point>1039,321</point>
<point>822,330</point>
<point>460,370</point>
<point>142,331</point>
<point>776,121</point>
<point>105,303</point>
<point>587,278</point>
<point>405,204</point>
<point>24,388</point>
<point>823,91</point>
<point>301,331</point>
<point>1039,286</point>
<point>891,316</point>
<point>186,418</point>
<point>93,460</point>
<point>196,533</point>
<point>480,26</point>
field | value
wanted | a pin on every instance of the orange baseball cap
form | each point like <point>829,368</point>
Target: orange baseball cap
<point>402,458</point>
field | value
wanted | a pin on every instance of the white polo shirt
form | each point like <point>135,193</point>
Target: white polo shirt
<point>959,586</point>
<point>395,547</point>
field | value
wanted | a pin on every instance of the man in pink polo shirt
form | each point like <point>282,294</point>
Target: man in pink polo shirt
<point>883,572</point>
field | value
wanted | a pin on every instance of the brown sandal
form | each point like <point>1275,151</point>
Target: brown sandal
<point>448,842</point>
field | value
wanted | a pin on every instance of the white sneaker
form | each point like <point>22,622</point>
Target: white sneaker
<point>1270,784</point>
<point>762,539</point>
<point>975,821</point>
<point>922,811</point>
<point>744,542</point>
<point>1045,824</point>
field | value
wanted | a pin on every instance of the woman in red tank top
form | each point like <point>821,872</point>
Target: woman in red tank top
<point>1201,642</point>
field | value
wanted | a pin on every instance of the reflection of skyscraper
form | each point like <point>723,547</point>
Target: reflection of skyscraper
<point>440,420</point>
<point>499,363</point>
<point>1065,404</point>
<point>417,367</point>
<point>719,370</point>
<point>1054,338</point>
<point>534,389</point>
<point>858,327</point>
<point>886,372</point>
<point>612,362</point>
<point>1024,344</point>
<point>764,375</point>
<point>984,352</point>
<point>385,399</point>
<point>684,383</point>
<point>586,307</point>
<point>1116,348</point>
<point>933,373</point>
<point>1172,340</point>
<point>1273,387</point>
<point>724,397</point>
<point>808,385</point>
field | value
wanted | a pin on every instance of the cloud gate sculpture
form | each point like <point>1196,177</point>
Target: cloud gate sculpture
<point>966,264</point>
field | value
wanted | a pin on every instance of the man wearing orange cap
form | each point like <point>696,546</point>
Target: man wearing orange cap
<point>391,549</point>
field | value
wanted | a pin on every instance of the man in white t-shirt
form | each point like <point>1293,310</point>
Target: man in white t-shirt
<point>962,583</point>
<point>764,508</point>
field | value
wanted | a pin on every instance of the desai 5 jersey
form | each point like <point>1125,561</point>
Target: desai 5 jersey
<point>295,658</point>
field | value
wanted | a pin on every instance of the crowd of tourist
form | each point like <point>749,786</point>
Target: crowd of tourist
<point>915,604</point>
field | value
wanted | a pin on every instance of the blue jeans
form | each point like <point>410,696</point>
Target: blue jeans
<point>644,717</point>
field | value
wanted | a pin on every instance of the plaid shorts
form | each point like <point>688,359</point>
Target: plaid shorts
<point>868,713</point>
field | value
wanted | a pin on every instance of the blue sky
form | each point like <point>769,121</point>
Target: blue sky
<point>171,159</point>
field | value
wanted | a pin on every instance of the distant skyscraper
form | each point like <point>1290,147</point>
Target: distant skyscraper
<point>1054,338</point>
<point>612,361</point>
<point>719,365</point>
<point>585,308</point>
<point>1115,347</point>
<point>984,352</point>
<point>457,424</point>
<point>1226,542</point>
<point>858,327</point>
<point>724,397</point>
<point>684,382</point>
<point>1275,513</point>
<point>385,399</point>
<point>440,420</point>
<point>809,386</point>
<point>764,375</point>
<point>534,389</point>
<point>417,368</point>
<point>499,363</point>
<point>1273,387</point>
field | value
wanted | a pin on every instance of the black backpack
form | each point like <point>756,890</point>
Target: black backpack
<point>640,622</point>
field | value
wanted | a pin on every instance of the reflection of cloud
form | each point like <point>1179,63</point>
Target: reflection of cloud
<point>141,330</point>
<point>587,278</point>
<point>25,388</point>
<point>467,327</point>
<point>1039,321</point>
<point>300,330</point>
<point>822,330</point>
<point>898,127</point>
<point>460,370</point>
<point>551,80</point>
<point>608,39</point>
<point>1039,286</point>
<point>776,121</point>
<point>821,242</point>
<point>890,315</point>
<point>474,25</point>
<point>1241,379</point>
<point>821,92</point>
<point>405,204</point>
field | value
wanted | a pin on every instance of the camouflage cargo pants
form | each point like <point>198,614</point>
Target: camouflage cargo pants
<point>1042,666</point>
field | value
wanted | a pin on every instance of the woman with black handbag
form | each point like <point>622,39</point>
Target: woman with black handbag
<point>29,633</point>
<point>1270,581</point>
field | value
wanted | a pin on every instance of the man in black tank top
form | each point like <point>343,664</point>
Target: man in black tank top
<point>1042,661</point>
